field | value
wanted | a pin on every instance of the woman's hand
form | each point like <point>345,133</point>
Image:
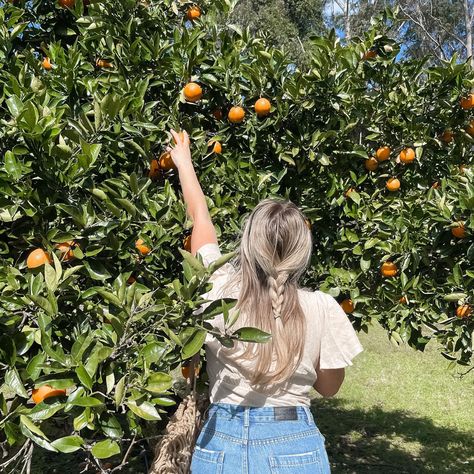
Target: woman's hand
<point>180,153</point>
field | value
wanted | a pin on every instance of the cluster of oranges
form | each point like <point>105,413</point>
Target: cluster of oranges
<point>38,257</point>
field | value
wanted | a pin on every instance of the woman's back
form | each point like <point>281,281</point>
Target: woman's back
<point>330,341</point>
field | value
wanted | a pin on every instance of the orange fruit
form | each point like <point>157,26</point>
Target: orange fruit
<point>67,3</point>
<point>166,162</point>
<point>470,128</point>
<point>47,64</point>
<point>217,114</point>
<point>192,92</point>
<point>371,164</point>
<point>447,136</point>
<point>435,185</point>
<point>155,170</point>
<point>236,114</point>
<point>403,300</point>
<point>348,192</point>
<point>407,155</point>
<point>459,231</point>
<point>142,247</point>
<point>187,243</point>
<point>193,13</point>
<point>217,148</point>
<point>388,269</point>
<point>347,305</point>
<point>186,371</point>
<point>383,153</point>
<point>371,54</point>
<point>262,107</point>
<point>103,63</point>
<point>38,257</point>
<point>463,311</point>
<point>467,102</point>
<point>45,391</point>
<point>393,184</point>
<point>67,250</point>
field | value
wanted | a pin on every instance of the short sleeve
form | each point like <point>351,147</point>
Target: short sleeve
<point>339,341</point>
<point>209,253</point>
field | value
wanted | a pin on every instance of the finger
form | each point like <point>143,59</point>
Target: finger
<point>175,136</point>
<point>168,148</point>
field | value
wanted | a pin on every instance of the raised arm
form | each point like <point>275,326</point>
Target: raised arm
<point>196,206</point>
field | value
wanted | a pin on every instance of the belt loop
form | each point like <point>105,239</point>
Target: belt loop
<point>246,416</point>
<point>309,415</point>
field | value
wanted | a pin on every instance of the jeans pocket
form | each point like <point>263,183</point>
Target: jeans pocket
<point>205,461</point>
<point>304,463</point>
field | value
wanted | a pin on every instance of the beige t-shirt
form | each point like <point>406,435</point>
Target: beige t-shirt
<point>330,339</point>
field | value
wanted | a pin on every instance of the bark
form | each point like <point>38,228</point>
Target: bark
<point>468,22</point>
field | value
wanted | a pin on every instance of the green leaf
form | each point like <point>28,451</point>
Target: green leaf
<point>68,444</point>
<point>251,334</point>
<point>50,277</point>
<point>193,343</point>
<point>455,296</point>
<point>86,402</point>
<point>105,449</point>
<point>144,410</point>
<point>96,270</point>
<point>159,382</point>
<point>110,426</point>
<point>84,377</point>
<point>13,380</point>
<point>120,391</point>
<point>12,165</point>
<point>44,410</point>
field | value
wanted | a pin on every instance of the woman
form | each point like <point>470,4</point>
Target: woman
<point>259,420</point>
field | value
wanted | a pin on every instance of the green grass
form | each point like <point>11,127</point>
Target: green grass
<point>399,410</point>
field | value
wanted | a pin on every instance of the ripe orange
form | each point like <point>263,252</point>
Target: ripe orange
<point>371,164</point>
<point>463,311</point>
<point>38,257</point>
<point>371,54</point>
<point>383,153</point>
<point>217,114</point>
<point>347,305</point>
<point>262,107</point>
<point>407,155</point>
<point>459,231</point>
<point>187,243</point>
<point>186,371</point>
<point>467,102</point>
<point>403,300</point>
<point>236,114</point>
<point>470,128</point>
<point>166,162</point>
<point>193,13</point>
<point>67,3</point>
<point>192,92</point>
<point>47,64</point>
<point>142,247</point>
<point>435,185</point>
<point>447,136</point>
<point>103,63</point>
<point>217,148</point>
<point>67,250</point>
<point>45,391</point>
<point>155,170</point>
<point>393,184</point>
<point>389,269</point>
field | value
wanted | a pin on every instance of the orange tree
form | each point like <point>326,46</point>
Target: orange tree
<point>96,307</point>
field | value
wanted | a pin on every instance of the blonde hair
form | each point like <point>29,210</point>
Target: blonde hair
<point>275,249</point>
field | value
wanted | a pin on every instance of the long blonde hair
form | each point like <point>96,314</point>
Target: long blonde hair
<point>275,249</point>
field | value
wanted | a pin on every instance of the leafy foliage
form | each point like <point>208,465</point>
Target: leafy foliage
<point>110,324</point>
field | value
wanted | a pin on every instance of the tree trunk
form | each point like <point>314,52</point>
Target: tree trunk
<point>467,20</point>
<point>347,20</point>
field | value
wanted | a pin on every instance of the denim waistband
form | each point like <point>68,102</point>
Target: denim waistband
<point>267,413</point>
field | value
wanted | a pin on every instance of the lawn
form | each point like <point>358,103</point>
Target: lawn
<point>399,411</point>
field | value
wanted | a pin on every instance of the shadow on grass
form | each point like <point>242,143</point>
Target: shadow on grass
<point>379,441</point>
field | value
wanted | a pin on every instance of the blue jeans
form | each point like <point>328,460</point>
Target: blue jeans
<point>258,440</point>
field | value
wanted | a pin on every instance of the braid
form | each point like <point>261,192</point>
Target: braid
<point>277,289</point>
